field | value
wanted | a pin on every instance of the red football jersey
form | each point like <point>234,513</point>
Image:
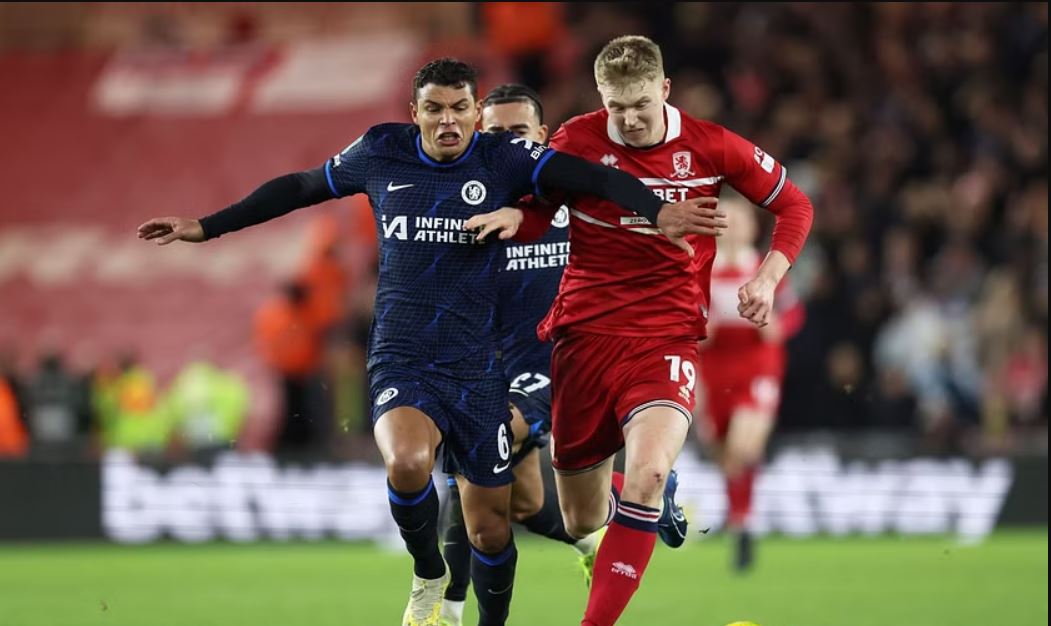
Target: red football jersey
<point>730,336</point>
<point>624,277</point>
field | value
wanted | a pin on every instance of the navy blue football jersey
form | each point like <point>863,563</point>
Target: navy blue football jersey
<point>436,301</point>
<point>529,280</point>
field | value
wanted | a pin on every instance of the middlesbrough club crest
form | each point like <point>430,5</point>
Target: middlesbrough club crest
<point>682,162</point>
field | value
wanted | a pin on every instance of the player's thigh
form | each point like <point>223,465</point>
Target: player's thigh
<point>527,492</point>
<point>519,428</point>
<point>749,431</point>
<point>407,439</point>
<point>753,416</point>
<point>653,439</point>
<point>486,514</point>
<point>584,497</point>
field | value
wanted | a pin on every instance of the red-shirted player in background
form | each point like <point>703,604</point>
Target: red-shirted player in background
<point>741,369</point>
<point>632,307</point>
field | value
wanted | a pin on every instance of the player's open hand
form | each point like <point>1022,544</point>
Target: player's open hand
<point>756,300</point>
<point>168,229</point>
<point>696,216</point>
<point>503,221</point>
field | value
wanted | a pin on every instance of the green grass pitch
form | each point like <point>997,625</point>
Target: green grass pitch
<point>813,582</point>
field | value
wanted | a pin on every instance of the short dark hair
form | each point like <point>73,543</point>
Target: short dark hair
<point>446,72</point>
<point>514,92</point>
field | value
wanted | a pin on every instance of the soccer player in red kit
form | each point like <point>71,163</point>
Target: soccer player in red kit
<point>741,369</point>
<point>632,307</point>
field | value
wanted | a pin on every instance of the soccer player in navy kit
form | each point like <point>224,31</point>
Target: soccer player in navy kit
<point>528,282</point>
<point>434,368</point>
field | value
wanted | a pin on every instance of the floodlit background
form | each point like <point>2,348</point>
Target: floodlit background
<point>906,482</point>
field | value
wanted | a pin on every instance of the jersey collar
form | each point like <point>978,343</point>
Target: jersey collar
<point>429,161</point>
<point>673,127</point>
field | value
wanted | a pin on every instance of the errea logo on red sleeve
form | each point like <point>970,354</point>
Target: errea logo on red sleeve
<point>764,160</point>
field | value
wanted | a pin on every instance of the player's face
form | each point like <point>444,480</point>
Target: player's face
<point>518,117</point>
<point>637,110</point>
<point>446,117</point>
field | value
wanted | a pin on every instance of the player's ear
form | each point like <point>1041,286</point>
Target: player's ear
<point>666,89</point>
<point>542,133</point>
<point>412,112</point>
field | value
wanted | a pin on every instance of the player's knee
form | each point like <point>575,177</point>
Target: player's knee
<point>409,470</point>
<point>490,536</point>
<point>732,467</point>
<point>525,505</point>
<point>646,481</point>
<point>740,457</point>
<point>746,457</point>
<point>581,525</point>
<point>579,529</point>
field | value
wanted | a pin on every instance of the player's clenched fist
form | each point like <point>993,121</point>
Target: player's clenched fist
<point>168,229</point>
<point>756,300</point>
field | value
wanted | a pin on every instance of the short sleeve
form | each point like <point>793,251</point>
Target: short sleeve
<point>345,172</point>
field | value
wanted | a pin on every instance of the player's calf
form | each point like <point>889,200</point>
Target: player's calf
<point>493,576</point>
<point>457,552</point>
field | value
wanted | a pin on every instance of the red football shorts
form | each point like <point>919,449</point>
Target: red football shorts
<point>739,382</point>
<point>600,382</point>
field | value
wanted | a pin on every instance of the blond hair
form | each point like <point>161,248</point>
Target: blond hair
<point>629,59</point>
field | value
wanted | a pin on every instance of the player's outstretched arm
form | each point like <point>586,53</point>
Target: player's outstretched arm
<point>273,198</point>
<point>572,174</point>
<point>168,229</point>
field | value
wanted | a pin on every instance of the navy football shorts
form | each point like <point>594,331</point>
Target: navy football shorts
<point>471,414</point>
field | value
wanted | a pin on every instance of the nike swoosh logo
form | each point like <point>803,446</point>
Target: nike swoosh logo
<point>412,530</point>
<point>499,468</point>
<point>392,187</point>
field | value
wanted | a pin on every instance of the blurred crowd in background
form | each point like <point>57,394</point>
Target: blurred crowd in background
<point>919,131</point>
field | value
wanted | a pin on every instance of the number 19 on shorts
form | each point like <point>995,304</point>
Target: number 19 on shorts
<point>680,368</point>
